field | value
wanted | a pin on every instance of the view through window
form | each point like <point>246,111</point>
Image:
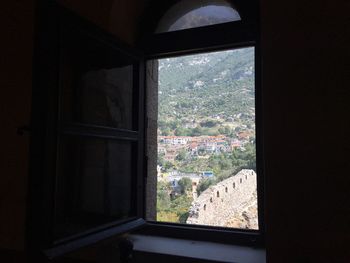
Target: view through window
<point>206,161</point>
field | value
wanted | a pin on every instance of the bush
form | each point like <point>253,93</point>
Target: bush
<point>186,184</point>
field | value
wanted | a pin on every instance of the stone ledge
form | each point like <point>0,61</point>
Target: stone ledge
<point>197,250</point>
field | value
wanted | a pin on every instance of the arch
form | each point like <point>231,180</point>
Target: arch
<point>191,13</point>
<point>226,189</point>
<point>211,199</point>
<point>234,185</point>
<point>205,207</point>
<point>240,180</point>
<point>217,194</point>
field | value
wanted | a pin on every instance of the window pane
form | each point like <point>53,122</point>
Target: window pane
<point>93,183</point>
<point>186,15</point>
<point>206,155</point>
<point>96,83</point>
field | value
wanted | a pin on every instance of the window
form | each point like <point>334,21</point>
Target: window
<point>89,139</point>
<point>165,51</point>
<point>206,123</point>
<point>87,136</point>
<point>191,14</point>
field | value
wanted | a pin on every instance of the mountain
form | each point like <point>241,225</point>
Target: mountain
<point>217,85</point>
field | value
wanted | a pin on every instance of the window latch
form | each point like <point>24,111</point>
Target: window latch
<point>25,129</point>
<point>126,248</point>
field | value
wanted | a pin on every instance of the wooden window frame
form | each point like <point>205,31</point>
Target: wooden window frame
<point>44,127</point>
<point>219,37</point>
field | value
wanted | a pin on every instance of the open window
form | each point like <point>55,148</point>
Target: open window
<point>87,136</point>
<point>203,100</point>
<point>94,139</point>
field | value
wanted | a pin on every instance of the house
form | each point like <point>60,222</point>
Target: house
<point>175,140</point>
<point>243,135</point>
<point>210,147</point>
<point>161,149</point>
<point>207,174</point>
<point>193,148</point>
<point>235,144</point>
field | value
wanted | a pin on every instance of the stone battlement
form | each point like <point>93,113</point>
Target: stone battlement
<point>220,203</point>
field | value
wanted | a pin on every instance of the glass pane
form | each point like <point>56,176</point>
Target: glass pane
<point>178,18</point>
<point>206,154</point>
<point>93,183</point>
<point>96,83</point>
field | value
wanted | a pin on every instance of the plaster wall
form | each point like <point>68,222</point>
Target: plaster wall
<point>17,27</point>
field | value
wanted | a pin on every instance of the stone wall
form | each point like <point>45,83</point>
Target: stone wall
<point>151,138</point>
<point>228,203</point>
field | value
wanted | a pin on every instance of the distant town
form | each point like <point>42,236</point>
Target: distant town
<point>171,147</point>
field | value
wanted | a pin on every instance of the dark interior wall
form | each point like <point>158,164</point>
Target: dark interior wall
<point>119,17</point>
<point>17,20</point>
<point>306,106</point>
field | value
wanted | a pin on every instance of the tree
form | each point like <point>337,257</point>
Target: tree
<point>227,130</point>
<point>197,131</point>
<point>209,123</point>
<point>225,164</point>
<point>168,165</point>
<point>160,160</point>
<point>182,132</point>
<point>204,184</point>
<point>185,184</point>
<point>165,131</point>
<point>181,155</point>
<point>163,198</point>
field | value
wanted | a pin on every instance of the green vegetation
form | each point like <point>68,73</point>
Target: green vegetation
<point>226,165</point>
<point>175,209</point>
<point>209,94</point>
<point>172,209</point>
<point>185,185</point>
<point>198,89</point>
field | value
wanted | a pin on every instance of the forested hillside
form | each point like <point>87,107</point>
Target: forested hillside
<point>206,87</point>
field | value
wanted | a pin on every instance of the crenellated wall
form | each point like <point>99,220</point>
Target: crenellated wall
<point>233,199</point>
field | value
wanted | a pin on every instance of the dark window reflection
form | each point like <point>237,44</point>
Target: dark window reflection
<point>96,83</point>
<point>93,184</point>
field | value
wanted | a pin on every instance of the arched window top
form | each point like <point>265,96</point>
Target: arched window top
<point>191,13</point>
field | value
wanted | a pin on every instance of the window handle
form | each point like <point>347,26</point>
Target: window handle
<point>25,129</point>
<point>126,248</point>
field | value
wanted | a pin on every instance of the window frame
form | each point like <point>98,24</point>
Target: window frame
<point>183,8</point>
<point>225,36</point>
<point>46,127</point>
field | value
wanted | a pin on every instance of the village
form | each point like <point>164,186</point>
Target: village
<point>171,147</point>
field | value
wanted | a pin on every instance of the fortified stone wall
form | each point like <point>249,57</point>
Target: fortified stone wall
<point>227,200</point>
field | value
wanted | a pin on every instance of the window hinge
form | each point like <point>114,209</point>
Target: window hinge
<point>25,129</point>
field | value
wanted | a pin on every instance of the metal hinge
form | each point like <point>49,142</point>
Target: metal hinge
<point>25,129</point>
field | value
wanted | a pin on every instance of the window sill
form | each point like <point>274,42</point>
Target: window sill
<point>197,250</point>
